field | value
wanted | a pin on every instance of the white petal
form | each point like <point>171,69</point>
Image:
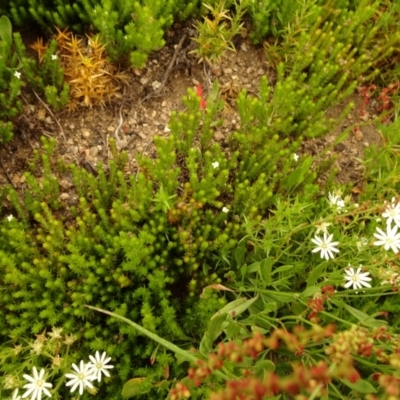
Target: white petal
<point>348,284</point>
<point>317,241</point>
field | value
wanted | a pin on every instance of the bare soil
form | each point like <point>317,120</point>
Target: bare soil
<point>134,119</point>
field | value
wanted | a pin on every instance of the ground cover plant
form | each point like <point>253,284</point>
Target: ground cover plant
<point>218,270</point>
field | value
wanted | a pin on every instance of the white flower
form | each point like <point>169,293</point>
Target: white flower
<point>15,395</point>
<point>225,210</point>
<point>295,156</point>
<point>335,201</point>
<point>10,217</point>
<point>392,213</point>
<point>356,278</point>
<point>98,365</point>
<point>82,377</point>
<point>17,74</point>
<point>390,239</point>
<point>36,386</point>
<point>325,246</point>
<point>215,164</point>
<point>54,57</point>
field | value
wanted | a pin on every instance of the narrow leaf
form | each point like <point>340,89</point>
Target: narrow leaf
<point>133,388</point>
<point>236,307</point>
<point>361,386</point>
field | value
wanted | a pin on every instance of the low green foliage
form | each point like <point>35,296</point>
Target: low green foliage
<point>44,75</point>
<point>209,242</point>
<point>215,34</point>
<point>10,81</point>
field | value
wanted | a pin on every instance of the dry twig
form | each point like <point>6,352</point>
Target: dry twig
<point>167,72</point>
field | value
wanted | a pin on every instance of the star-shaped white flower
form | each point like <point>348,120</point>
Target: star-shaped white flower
<point>17,74</point>
<point>54,57</point>
<point>10,217</point>
<point>335,201</point>
<point>215,164</point>
<point>296,157</point>
<point>99,365</point>
<point>392,213</point>
<point>389,239</point>
<point>325,246</point>
<point>37,385</point>
<point>82,377</point>
<point>356,278</point>
<point>225,210</point>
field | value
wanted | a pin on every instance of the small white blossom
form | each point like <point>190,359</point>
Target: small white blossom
<point>225,210</point>
<point>296,157</point>
<point>215,164</point>
<point>356,278</point>
<point>54,56</point>
<point>99,365</point>
<point>10,217</point>
<point>335,201</point>
<point>325,246</point>
<point>81,378</point>
<point>37,385</point>
<point>392,213</point>
<point>389,239</point>
<point>17,74</point>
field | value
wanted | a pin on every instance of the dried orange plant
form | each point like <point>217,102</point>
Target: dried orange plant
<point>91,77</point>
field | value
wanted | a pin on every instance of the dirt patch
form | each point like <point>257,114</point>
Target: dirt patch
<point>83,136</point>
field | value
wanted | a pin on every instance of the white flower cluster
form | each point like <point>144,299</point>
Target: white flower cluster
<point>389,239</point>
<point>82,377</point>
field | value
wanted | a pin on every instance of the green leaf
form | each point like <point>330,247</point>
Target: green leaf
<point>266,270</point>
<point>254,267</point>
<point>297,176</point>
<point>361,386</point>
<point>236,307</point>
<point>6,31</point>
<point>215,326</point>
<point>205,344</point>
<point>283,268</point>
<point>270,307</point>
<point>310,291</point>
<point>240,253</point>
<point>263,366</point>
<point>365,319</point>
<point>134,387</point>
<point>315,274</point>
<point>282,297</point>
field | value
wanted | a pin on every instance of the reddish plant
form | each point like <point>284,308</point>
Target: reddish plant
<point>199,92</point>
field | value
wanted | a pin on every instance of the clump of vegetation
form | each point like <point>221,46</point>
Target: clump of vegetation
<point>10,81</point>
<point>207,243</point>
